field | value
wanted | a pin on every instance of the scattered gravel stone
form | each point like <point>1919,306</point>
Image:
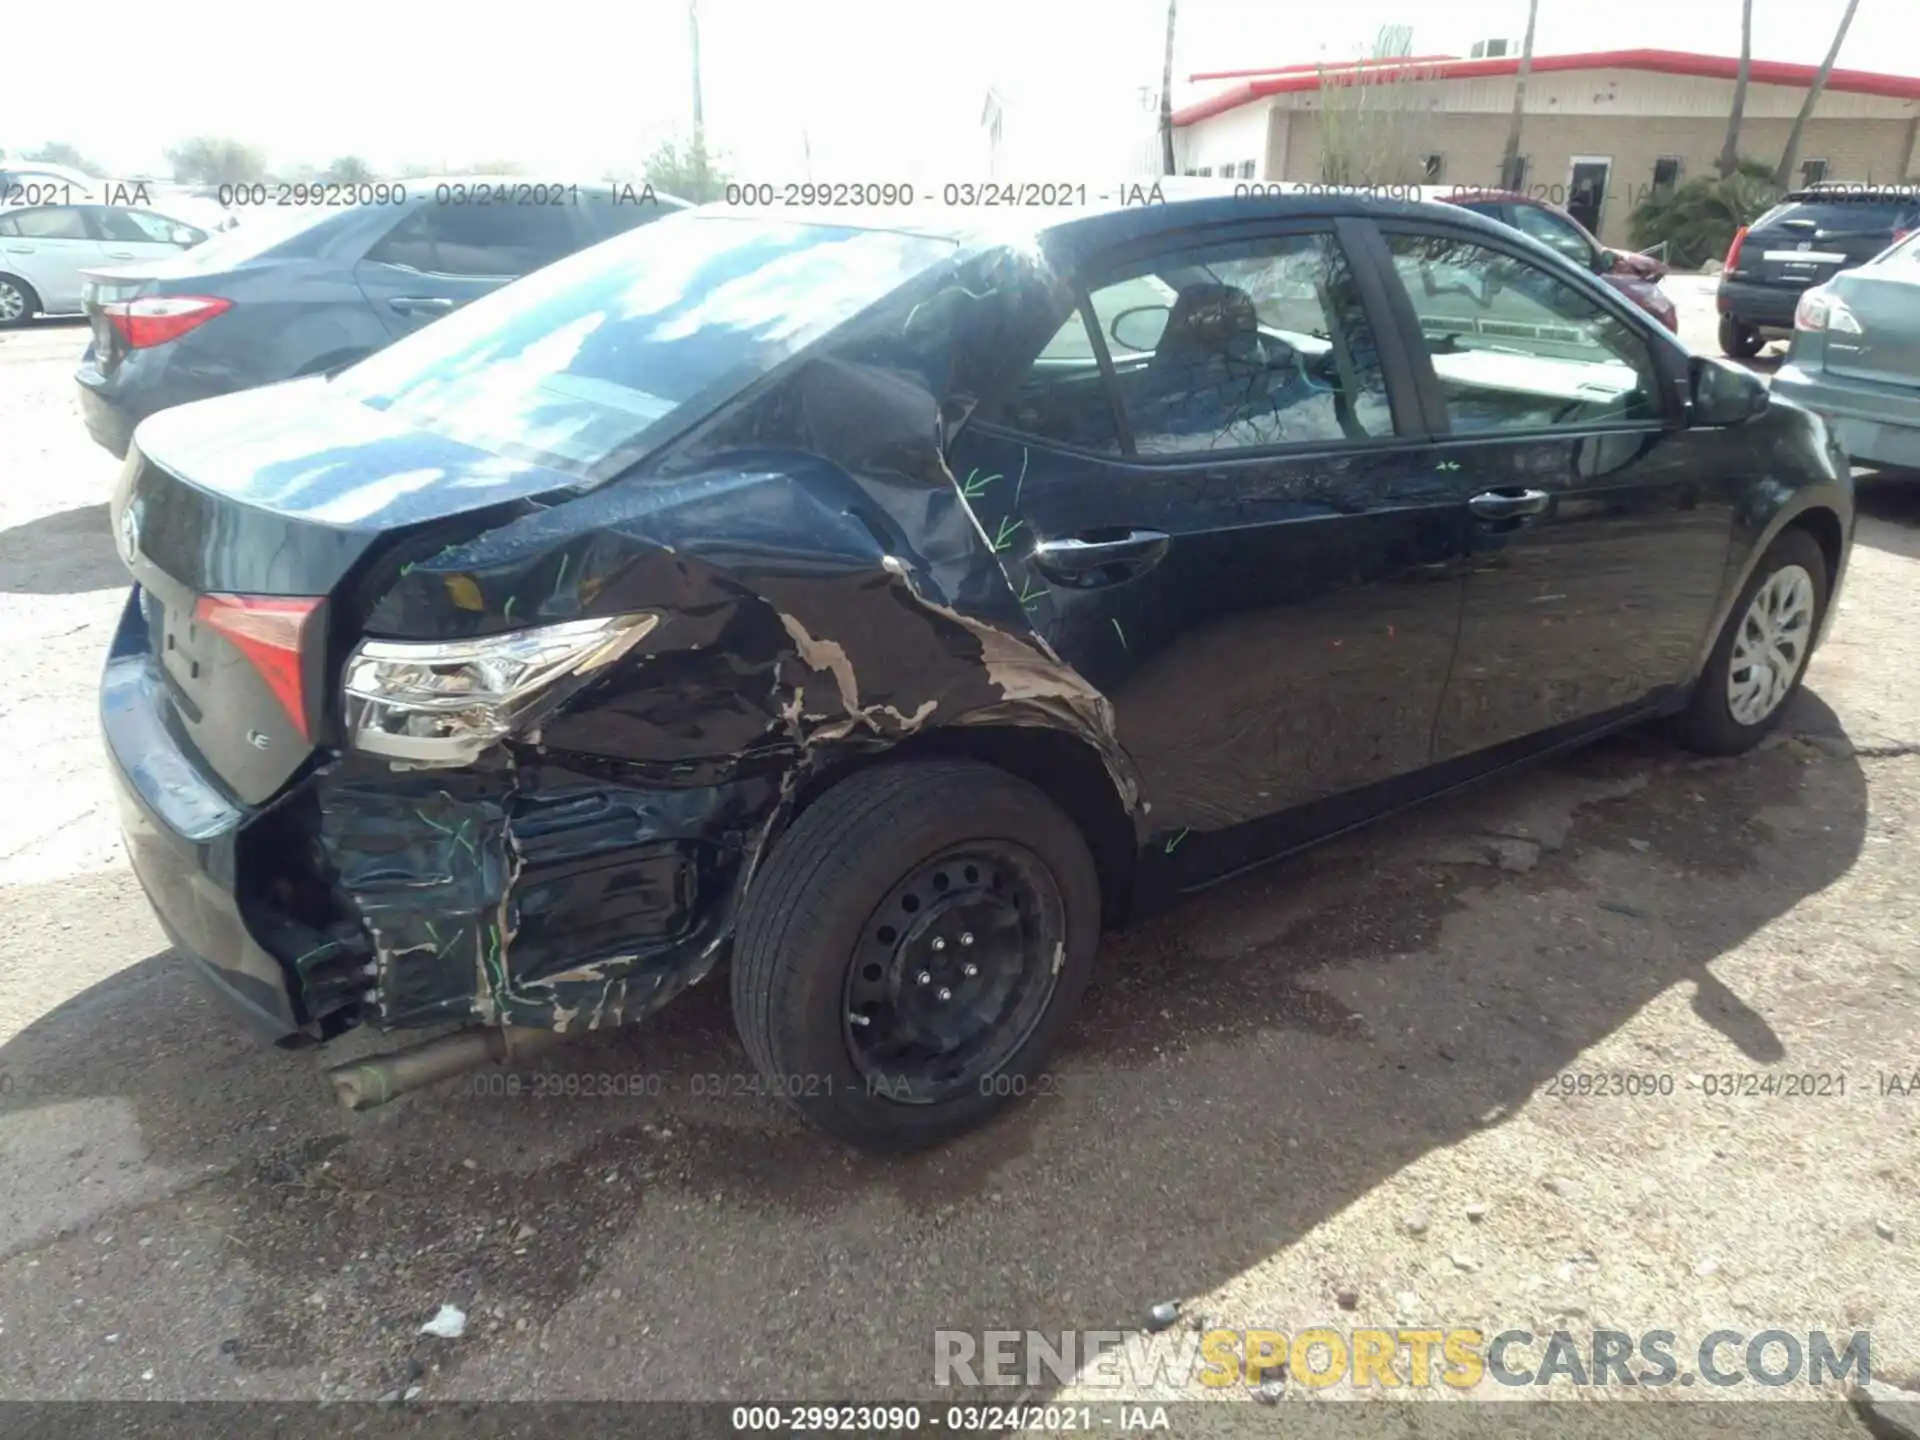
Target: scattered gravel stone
<point>1884,1229</point>
<point>1489,1117</point>
<point>1347,1298</point>
<point>1270,1392</point>
<point>1416,1222</point>
<point>1464,1262</point>
<point>1641,845</point>
<point>1706,1267</point>
<point>450,1323</point>
<point>1161,1316</point>
<point>1558,1185</point>
<point>1477,1211</point>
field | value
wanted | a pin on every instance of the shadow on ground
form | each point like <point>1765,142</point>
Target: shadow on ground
<point>1246,1067</point>
<point>65,553</point>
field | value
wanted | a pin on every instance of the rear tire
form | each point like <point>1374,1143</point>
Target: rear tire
<point>1738,339</point>
<point>874,875</point>
<point>18,302</point>
<point>1738,700</point>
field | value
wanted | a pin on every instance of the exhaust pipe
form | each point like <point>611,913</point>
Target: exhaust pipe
<point>370,1083</point>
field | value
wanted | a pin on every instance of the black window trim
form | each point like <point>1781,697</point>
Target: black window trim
<point>1662,347</point>
<point>1397,371</point>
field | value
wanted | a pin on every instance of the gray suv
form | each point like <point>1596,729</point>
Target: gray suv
<point>305,290</point>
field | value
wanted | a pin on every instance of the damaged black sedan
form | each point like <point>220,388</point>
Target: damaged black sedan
<point>881,607</point>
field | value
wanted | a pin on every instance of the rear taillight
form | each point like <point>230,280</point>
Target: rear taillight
<point>1733,250</point>
<point>1900,235</point>
<point>270,630</point>
<point>160,318</point>
<point>1820,309</point>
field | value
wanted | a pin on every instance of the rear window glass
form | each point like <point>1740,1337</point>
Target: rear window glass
<point>582,365</point>
<point>1837,214</point>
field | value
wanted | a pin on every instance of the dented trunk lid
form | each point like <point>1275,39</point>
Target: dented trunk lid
<point>283,493</point>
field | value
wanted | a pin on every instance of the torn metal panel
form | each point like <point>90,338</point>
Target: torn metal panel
<point>531,894</point>
<point>826,587</point>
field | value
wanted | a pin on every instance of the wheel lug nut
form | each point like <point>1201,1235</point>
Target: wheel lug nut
<point>938,943</point>
<point>966,937</point>
<point>925,978</point>
<point>970,970</point>
<point>945,994</point>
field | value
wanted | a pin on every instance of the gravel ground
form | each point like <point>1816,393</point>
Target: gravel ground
<point>1320,1096</point>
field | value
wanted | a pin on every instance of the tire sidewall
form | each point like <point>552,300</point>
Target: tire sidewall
<point>29,302</point>
<point>1711,713</point>
<point>806,1020</point>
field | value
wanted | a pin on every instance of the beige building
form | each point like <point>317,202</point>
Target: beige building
<point>1600,130</point>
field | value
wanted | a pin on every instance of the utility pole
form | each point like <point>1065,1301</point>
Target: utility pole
<point>699,110</point>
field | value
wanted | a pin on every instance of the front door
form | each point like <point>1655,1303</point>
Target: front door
<point>1596,556</point>
<point>1210,512</point>
<point>1587,190</point>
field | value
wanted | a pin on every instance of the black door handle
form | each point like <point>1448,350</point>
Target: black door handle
<point>1076,561</point>
<point>1508,503</point>
<point>421,304</point>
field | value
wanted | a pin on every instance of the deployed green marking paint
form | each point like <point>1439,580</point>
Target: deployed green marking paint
<point>1005,536</point>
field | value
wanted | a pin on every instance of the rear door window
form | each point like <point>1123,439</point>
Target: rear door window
<point>488,240</point>
<point>1246,346</point>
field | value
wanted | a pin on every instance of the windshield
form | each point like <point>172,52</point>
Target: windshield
<point>581,365</point>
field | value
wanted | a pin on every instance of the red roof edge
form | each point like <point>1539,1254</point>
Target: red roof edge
<point>1665,62</point>
<point>1313,66</point>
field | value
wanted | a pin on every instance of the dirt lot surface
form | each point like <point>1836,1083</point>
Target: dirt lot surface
<point>1325,1095</point>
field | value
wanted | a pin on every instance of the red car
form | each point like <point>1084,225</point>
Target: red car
<point>1633,275</point>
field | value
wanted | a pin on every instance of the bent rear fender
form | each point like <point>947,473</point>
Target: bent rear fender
<point>811,613</point>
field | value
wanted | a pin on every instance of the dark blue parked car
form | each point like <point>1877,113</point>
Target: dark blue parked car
<point>302,290</point>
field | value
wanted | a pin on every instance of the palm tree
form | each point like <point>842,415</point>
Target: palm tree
<point>1166,96</point>
<point>1784,171</point>
<point>1510,158</point>
<point>1730,152</point>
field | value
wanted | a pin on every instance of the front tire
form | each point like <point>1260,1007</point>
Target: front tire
<point>1762,653</point>
<point>910,950</point>
<point>1739,340</point>
<point>18,303</point>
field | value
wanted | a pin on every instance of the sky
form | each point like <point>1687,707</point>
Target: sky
<point>881,90</point>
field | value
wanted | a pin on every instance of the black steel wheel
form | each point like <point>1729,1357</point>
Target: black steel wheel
<point>953,970</point>
<point>910,949</point>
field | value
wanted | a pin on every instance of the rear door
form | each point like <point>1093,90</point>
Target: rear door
<point>439,255</point>
<point>1212,498</point>
<point>48,246</point>
<point>1596,549</point>
<point>1808,241</point>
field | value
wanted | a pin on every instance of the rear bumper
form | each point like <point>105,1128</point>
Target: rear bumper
<point>181,837</point>
<point>146,382</point>
<point>537,896</point>
<point>1766,307</point>
<point>1875,424</point>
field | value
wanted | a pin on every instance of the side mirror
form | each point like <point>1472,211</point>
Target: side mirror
<point>182,235</point>
<point>1725,394</point>
<point>1140,328</point>
<point>1605,262</point>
